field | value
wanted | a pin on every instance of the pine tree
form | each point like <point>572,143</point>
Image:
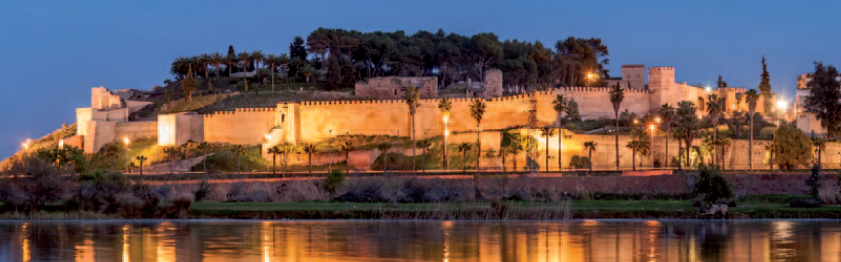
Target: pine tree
<point>765,86</point>
<point>189,85</point>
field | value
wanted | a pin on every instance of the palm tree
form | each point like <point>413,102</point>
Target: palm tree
<point>239,150</point>
<point>230,61</point>
<point>274,151</point>
<point>515,149</point>
<point>687,123</point>
<point>206,60</point>
<point>204,147</point>
<point>413,101</point>
<point>384,147</point>
<point>477,111</point>
<point>216,59</point>
<point>424,145</point>
<point>640,143</point>
<point>502,152</point>
<point>590,146</point>
<point>713,106</point>
<point>616,97</point>
<point>271,62</point>
<point>751,97</point>
<point>445,105</point>
<point>282,60</point>
<point>171,152</point>
<point>771,147</point>
<point>546,132</point>
<point>347,147</point>
<point>463,148</point>
<point>559,105</point>
<point>141,159</point>
<point>243,58</point>
<point>820,146</point>
<point>667,113</point>
<point>310,149</point>
<point>257,57</point>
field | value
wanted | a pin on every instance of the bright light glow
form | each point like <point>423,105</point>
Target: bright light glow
<point>447,132</point>
<point>781,104</point>
<point>708,89</point>
<point>25,144</point>
<point>589,75</point>
<point>657,120</point>
<point>651,127</point>
<point>446,118</point>
<point>636,121</point>
<point>126,141</point>
<point>268,137</point>
<point>61,143</point>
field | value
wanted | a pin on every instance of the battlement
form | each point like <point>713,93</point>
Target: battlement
<point>661,68</point>
<point>735,89</point>
<point>241,110</point>
<point>600,89</point>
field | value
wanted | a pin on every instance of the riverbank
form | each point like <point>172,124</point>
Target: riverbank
<point>578,209</point>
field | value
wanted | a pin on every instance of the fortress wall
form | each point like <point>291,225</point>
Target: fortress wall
<point>593,102</point>
<point>241,126</point>
<point>134,130</point>
<point>390,117</point>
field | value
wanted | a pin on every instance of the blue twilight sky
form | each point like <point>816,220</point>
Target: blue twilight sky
<point>55,51</point>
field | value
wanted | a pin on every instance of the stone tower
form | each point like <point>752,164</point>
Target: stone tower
<point>633,75</point>
<point>660,81</point>
<point>493,83</point>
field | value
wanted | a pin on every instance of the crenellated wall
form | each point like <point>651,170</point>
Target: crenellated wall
<point>240,126</point>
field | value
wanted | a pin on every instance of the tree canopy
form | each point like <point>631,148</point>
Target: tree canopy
<point>825,98</point>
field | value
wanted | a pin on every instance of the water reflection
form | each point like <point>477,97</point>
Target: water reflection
<point>347,241</point>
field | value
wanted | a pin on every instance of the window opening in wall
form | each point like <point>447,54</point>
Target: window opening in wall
<point>283,118</point>
<point>395,91</point>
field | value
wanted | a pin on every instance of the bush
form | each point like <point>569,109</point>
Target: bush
<point>334,181</point>
<point>805,202</point>
<point>815,181</point>
<point>579,161</point>
<point>793,148</point>
<point>203,191</point>
<point>711,186</point>
<point>35,182</point>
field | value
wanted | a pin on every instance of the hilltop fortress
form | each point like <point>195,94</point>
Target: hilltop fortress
<point>313,121</point>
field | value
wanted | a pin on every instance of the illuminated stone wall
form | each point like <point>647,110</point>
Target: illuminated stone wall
<point>241,126</point>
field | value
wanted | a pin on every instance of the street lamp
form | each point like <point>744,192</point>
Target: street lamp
<point>126,142</point>
<point>651,127</point>
<point>446,119</point>
<point>25,144</point>
<point>330,162</point>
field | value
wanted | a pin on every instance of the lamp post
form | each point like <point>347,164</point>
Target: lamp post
<point>652,145</point>
<point>330,162</point>
<point>25,144</point>
<point>126,142</point>
<point>268,139</point>
<point>665,157</point>
<point>446,119</point>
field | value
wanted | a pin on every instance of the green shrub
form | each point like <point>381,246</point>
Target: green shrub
<point>815,181</point>
<point>711,186</point>
<point>793,148</point>
<point>579,161</point>
<point>334,181</point>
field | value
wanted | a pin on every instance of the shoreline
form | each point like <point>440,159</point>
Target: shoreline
<point>479,210</point>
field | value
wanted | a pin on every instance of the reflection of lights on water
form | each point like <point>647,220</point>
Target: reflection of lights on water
<point>125,243</point>
<point>25,243</point>
<point>447,225</point>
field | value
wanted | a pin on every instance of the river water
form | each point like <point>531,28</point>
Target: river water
<point>346,241</point>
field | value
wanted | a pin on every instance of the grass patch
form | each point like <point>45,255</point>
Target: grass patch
<point>186,105</point>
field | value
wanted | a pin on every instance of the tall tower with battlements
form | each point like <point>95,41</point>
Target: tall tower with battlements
<point>660,81</point>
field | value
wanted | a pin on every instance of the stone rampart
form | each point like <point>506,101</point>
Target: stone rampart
<point>240,126</point>
<point>135,130</point>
